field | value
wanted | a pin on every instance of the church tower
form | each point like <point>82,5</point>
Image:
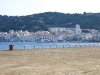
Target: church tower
<point>78,29</point>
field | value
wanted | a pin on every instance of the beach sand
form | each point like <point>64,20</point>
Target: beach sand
<point>62,61</point>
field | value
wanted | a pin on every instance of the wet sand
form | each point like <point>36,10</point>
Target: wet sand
<point>67,61</point>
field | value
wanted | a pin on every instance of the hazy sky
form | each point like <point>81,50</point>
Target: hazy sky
<point>27,7</point>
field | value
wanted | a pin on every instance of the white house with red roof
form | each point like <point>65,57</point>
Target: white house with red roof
<point>45,36</point>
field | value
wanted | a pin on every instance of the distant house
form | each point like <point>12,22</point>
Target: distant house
<point>45,36</point>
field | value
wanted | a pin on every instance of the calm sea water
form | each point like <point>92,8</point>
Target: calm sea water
<point>30,45</point>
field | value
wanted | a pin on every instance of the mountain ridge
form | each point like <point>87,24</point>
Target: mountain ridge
<point>42,21</point>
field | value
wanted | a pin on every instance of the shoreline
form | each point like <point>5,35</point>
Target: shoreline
<point>32,45</point>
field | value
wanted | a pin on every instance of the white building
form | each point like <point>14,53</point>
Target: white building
<point>78,30</point>
<point>44,36</point>
<point>88,36</point>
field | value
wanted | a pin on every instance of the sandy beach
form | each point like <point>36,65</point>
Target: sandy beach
<point>67,61</point>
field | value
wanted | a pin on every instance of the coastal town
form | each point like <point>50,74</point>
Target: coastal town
<point>54,34</point>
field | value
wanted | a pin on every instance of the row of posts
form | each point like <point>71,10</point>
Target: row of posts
<point>11,47</point>
<point>61,46</point>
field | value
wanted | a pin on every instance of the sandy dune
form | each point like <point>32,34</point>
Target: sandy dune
<point>68,61</point>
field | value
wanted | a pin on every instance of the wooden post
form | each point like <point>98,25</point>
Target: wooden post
<point>34,46</point>
<point>97,44</point>
<point>69,46</point>
<point>24,47</point>
<point>42,46</point>
<point>80,45</point>
<point>63,46</point>
<point>56,46</point>
<point>75,45</point>
<point>50,46</point>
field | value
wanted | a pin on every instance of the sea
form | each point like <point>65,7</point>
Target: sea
<point>39,45</point>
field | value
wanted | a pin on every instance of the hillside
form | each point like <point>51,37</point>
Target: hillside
<point>42,21</point>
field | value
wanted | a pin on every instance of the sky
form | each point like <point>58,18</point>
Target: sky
<point>28,7</point>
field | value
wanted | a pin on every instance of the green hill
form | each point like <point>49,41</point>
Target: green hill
<point>42,21</point>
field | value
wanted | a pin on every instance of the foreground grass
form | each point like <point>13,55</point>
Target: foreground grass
<point>68,61</point>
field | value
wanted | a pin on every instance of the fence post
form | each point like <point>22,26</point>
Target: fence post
<point>42,46</point>
<point>56,46</point>
<point>80,45</point>
<point>34,46</point>
<point>24,47</point>
<point>50,46</point>
<point>69,46</point>
<point>97,44</point>
<point>63,46</point>
<point>75,45</point>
